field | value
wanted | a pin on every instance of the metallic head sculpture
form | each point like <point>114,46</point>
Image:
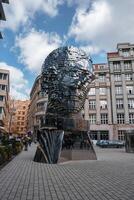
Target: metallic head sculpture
<point>66,78</point>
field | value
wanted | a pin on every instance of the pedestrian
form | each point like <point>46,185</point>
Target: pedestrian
<point>25,142</point>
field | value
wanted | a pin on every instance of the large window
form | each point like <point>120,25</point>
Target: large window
<point>121,135</point>
<point>104,118</point>
<point>127,65</point>
<point>92,118</point>
<point>119,103</point>
<point>102,77</point>
<point>1,110</point>
<point>2,87</point>
<point>117,77</point>
<point>131,118</point>
<point>130,103</point>
<point>118,90</point>
<point>116,65</point>
<point>120,118</point>
<point>103,104</point>
<point>128,77</point>
<point>125,52</point>
<point>92,104</point>
<point>102,91</point>
<point>129,89</point>
<point>3,76</point>
<point>1,98</point>
<point>92,91</point>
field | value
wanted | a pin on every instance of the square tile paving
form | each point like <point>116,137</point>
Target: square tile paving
<point>111,177</point>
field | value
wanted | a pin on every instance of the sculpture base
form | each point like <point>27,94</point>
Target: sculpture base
<point>72,154</point>
<point>40,156</point>
<point>50,141</point>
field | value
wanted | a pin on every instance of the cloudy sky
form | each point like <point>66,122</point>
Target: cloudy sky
<point>36,27</point>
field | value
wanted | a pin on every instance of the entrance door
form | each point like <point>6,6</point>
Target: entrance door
<point>104,135</point>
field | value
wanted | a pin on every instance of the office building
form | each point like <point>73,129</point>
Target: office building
<point>37,106</point>
<point>4,98</point>
<point>98,104</point>
<point>121,66</point>
<point>2,14</point>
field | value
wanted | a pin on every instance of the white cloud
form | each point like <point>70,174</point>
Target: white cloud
<point>18,12</point>
<point>35,46</point>
<point>79,3</point>
<point>90,49</point>
<point>103,24</point>
<point>18,83</point>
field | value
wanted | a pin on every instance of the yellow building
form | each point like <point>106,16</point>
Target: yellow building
<point>18,116</point>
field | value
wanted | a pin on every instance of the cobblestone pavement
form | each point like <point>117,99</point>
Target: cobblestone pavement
<point>109,178</point>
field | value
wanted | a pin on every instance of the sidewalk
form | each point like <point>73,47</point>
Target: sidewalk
<point>105,179</point>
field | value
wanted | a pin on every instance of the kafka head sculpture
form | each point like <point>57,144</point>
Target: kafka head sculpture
<point>65,78</point>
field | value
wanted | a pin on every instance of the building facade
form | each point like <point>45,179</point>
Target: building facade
<point>121,66</point>
<point>4,98</point>
<point>37,106</point>
<point>2,14</point>
<point>98,104</point>
<point>18,117</point>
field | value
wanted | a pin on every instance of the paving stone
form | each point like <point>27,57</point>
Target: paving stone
<point>111,177</point>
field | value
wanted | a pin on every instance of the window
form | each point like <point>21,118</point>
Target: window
<point>102,91</point>
<point>131,118</point>
<point>1,75</point>
<point>22,118</point>
<point>24,107</point>
<point>121,135</point>
<point>19,112</point>
<point>119,103</point>
<point>1,98</point>
<point>102,77</point>
<point>129,89</point>
<point>18,118</point>
<point>18,123</point>
<point>127,65</point>
<point>116,65</point>
<point>21,129</point>
<point>117,77</point>
<point>1,110</point>
<point>102,66</point>
<point>120,118</point>
<point>104,118</point>
<point>4,76</point>
<point>23,113</point>
<point>130,103</point>
<point>128,77</point>
<point>92,91</point>
<point>125,52</point>
<point>118,90</point>
<point>92,104</point>
<point>22,123</point>
<point>103,104</point>
<point>92,118</point>
<point>2,87</point>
